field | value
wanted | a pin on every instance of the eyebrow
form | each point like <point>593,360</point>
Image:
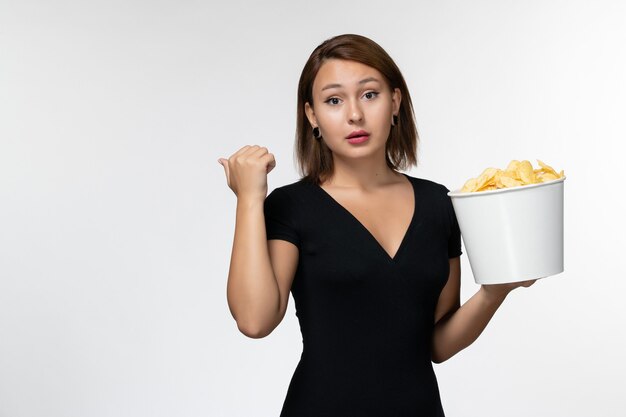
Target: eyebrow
<point>363,81</point>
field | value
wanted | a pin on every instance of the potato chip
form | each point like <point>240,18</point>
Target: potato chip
<point>469,186</point>
<point>516,174</point>
<point>486,178</point>
<point>548,176</point>
<point>525,172</point>
<point>512,167</point>
<point>508,182</point>
<point>547,168</point>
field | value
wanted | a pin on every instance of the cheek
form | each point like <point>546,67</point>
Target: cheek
<point>330,120</point>
<point>381,113</point>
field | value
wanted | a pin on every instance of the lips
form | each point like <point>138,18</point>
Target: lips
<point>357,137</point>
<point>357,134</point>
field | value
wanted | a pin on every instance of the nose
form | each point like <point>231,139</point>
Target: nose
<point>355,114</point>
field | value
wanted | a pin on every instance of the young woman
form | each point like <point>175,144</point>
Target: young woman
<point>371,255</point>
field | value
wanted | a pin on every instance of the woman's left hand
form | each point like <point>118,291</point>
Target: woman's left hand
<point>502,290</point>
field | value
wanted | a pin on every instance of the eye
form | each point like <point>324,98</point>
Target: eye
<point>370,95</point>
<point>332,101</point>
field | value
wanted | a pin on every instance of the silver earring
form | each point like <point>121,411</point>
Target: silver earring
<point>316,133</point>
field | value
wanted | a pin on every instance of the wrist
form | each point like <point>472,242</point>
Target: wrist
<point>494,294</point>
<point>250,201</point>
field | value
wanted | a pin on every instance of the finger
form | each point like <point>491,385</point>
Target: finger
<point>224,163</point>
<point>240,151</point>
<point>244,153</point>
<point>250,150</point>
<point>259,150</point>
<point>271,162</point>
<point>251,153</point>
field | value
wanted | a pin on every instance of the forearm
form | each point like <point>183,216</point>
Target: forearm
<point>459,330</point>
<point>252,290</point>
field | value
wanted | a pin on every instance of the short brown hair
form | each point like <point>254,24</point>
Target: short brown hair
<point>314,158</point>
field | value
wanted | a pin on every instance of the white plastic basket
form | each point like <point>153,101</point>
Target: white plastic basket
<point>512,234</point>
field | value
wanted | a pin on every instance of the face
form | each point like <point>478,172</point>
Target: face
<point>352,99</point>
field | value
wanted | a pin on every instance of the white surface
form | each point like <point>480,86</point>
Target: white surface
<point>512,234</point>
<point>116,223</point>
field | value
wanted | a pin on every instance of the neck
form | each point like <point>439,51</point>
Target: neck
<point>362,174</point>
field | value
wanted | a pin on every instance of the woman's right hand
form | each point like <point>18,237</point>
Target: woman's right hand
<point>246,171</point>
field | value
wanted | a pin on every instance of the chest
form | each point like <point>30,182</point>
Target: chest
<point>385,216</point>
<point>343,232</point>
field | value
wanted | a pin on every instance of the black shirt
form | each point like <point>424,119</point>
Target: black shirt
<point>366,318</point>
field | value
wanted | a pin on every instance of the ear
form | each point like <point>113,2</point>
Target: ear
<point>396,99</point>
<point>310,114</point>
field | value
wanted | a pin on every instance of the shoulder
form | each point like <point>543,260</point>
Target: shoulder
<point>436,202</point>
<point>292,191</point>
<point>429,188</point>
<point>289,209</point>
<point>288,197</point>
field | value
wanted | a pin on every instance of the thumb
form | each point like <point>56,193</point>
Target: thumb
<point>224,162</point>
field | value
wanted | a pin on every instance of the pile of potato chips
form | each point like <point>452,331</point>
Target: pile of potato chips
<point>515,175</point>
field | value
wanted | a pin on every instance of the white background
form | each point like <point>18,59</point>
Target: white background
<point>116,223</point>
